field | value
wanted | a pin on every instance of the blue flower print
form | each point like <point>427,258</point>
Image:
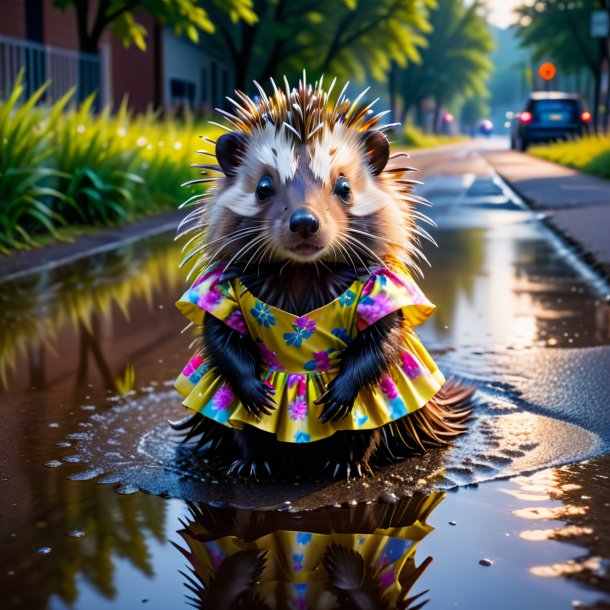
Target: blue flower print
<point>301,437</point>
<point>304,538</point>
<point>304,329</point>
<point>347,298</point>
<point>342,334</point>
<point>297,558</point>
<point>397,408</point>
<point>263,314</point>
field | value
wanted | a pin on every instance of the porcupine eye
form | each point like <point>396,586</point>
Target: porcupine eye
<point>343,189</point>
<point>264,190</point>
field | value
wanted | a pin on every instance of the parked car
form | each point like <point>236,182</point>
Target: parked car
<point>550,115</point>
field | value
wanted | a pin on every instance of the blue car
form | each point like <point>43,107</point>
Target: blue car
<point>548,116</point>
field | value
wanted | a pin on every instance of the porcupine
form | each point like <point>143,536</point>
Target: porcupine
<point>303,248</point>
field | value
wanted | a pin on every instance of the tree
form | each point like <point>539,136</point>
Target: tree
<point>473,110</point>
<point>338,37</point>
<point>94,17</point>
<point>454,64</point>
<point>559,30</point>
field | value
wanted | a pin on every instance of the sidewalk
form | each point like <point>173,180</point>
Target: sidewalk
<point>576,205</point>
<point>101,240</point>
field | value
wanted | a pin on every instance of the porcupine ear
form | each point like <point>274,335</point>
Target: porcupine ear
<point>376,149</point>
<point>230,148</point>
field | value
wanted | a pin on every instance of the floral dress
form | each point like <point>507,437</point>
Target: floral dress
<point>301,354</point>
<point>294,575</point>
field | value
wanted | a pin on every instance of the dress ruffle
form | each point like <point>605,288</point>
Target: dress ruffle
<point>300,355</point>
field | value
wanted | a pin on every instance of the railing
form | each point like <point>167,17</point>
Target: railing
<point>41,63</point>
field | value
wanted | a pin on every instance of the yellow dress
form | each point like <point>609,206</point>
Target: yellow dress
<point>294,574</point>
<point>301,354</point>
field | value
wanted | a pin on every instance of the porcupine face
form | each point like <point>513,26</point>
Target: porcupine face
<point>305,181</point>
<point>306,203</point>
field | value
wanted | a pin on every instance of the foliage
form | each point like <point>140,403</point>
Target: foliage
<point>590,154</point>
<point>62,167</point>
<point>26,182</point>
<point>559,31</point>
<point>413,137</point>
<point>99,181</point>
<point>340,37</point>
<point>76,301</point>
<point>455,61</point>
<point>187,17</point>
<point>474,109</point>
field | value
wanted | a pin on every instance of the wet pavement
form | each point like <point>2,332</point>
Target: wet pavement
<point>514,515</point>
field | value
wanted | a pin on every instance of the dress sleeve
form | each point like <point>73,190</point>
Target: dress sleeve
<point>209,295</point>
<point>386,292</point>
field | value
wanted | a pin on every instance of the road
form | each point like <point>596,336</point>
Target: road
<point>517,314</point>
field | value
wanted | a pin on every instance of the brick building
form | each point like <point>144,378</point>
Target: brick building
<point>43,41</point>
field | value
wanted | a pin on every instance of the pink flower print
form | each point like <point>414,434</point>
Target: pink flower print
<point>236,322</point>
<point>208,300</point>
<point>410,365</point>
<point>297,409</point>
<point>293,379</point>
<point>300,381</point>
<point>194,363</point>
<point>321,361</point>
<point>269,358</point>
<point>223,398</point>
<point>306,324</point>
<point>388,387</point>
<point>387,578</point>
<point>374,308</point>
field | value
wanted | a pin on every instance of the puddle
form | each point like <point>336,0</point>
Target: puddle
<point>131,446</point>
<point>85,355</point>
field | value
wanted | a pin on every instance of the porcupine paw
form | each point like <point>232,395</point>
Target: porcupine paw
<point>257,397</point>
<point>250,467</point>
<point>338,400</point>
<point>348,469</point>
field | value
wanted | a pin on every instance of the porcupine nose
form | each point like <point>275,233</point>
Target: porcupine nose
<point>304,222</point>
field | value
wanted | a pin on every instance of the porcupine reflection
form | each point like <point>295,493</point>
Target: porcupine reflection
<point>360,557</point>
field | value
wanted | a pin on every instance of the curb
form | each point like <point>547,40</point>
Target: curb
<point>111,240</point>
<point>597,273</point>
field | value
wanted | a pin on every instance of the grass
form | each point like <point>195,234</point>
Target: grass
<point>417,138</point>
<point>64,166</point>
<point>590,154</point>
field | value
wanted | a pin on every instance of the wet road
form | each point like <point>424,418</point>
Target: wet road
<point>515,314</point>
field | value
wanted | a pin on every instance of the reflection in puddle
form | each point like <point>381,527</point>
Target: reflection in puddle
<point>361,557</point>
<point>67,316</point>
<point>576,517</point>
<point>82,335</point>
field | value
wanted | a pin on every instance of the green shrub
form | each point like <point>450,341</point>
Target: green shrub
<point>27,178</point>
<point>590,154</point>
<point>63,166</point>
<point>417,138</point>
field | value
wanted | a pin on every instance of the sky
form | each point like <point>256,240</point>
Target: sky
<point>500,11</point>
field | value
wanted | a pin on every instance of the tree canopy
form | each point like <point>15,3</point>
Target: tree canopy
<point>560,31</point>
<point>347,38</point>
<point>187,17</point>
<point>455,61</point>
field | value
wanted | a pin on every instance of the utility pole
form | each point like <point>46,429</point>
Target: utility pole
<point>600,29</point>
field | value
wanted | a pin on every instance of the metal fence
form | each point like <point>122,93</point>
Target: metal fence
<point>40,63</point>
